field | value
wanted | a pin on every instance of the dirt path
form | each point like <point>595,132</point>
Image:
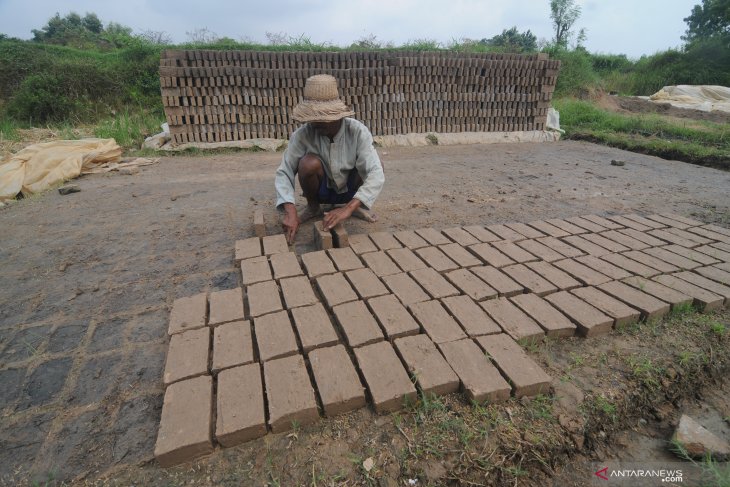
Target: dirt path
<point>86,280</point>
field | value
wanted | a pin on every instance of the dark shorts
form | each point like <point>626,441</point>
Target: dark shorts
<point>330,196</point>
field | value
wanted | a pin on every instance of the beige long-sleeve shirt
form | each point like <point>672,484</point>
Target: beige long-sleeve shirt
<point>352,149</point>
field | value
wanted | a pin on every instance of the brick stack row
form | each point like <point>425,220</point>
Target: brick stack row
<point>218,96</point>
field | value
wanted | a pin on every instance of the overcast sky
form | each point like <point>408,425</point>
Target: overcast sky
<point>632,27</point>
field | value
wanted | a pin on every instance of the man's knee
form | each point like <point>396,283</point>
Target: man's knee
<point>310,165</point>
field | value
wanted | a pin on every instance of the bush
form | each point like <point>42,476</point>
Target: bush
<point>577,77</point>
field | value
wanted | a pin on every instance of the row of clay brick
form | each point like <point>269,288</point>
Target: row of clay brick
<point>188,420</point>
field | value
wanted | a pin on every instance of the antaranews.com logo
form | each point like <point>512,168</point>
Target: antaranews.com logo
<point>663,475</point>
<point>650,474</point>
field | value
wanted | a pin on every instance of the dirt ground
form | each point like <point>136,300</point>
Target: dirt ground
<point>87,280</point>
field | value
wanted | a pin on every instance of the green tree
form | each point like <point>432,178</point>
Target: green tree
<point>709,20</point>
<point>564,14</point>
<point>513,41</point>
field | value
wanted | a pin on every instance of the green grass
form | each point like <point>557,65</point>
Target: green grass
<point>130,129</point>
<point>8,129</point>
<point>703,143</point>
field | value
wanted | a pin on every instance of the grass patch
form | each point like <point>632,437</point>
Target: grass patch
<point>703,143</point>
<point>129,129</point>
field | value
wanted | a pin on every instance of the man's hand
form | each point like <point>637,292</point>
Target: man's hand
<point>338,215</point>
<point>290,222</point>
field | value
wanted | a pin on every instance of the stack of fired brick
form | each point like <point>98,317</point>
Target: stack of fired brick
<point>218,96</point>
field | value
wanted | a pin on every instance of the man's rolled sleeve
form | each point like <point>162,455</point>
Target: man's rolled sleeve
<point>370,169</point>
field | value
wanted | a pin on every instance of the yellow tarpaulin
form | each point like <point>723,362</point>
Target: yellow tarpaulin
<point>40,166</point>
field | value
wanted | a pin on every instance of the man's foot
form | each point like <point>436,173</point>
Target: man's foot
<point>366,215</point>
<point>310,212</point>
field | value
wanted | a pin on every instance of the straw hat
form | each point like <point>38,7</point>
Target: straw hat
<point>321,101</point>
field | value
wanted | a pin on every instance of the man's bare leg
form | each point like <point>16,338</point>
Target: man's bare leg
<point>310,177</point>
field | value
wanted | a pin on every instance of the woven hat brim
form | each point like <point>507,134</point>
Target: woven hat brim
<point>321,111</point>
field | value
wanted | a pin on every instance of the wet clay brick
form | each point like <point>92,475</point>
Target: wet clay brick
<point>460,236</point>
<point>566,226</point>
<point>629,223</point>
<point>321,237</point>
<point>232,345</point>
<point>366,283</point>
<point>481,233</point>
<point>436,258</point>
<point>672,258</point>
<point>587,224</point>
<point>345,259</point>
<point>713,236</point>
<point>285,265</point>
<point>724,266</point>
<point>259,226</point>
<point>471,285</point>
<point>335,289</point>
<point>690,236</point>
<point>651,261</point>
<point>622,314</point>
<point>357,324</point>
<point>512,320</point>
<point>490,255</point>
<point>410,239</point>
<point>502,283</point>
<point>550,228</point>
<point>717,229</point>
<point>531,280</point>
<point>226,306</point>
<point>659,291</point>
<point>642,237</point>
<point>395,320</point>
<point>255,270</point>
<point>705,283</point>
<point>188,313</point>
<point>187,355</point>
<point>436,322</point>
<point>703,298</point>
<point>715,274</point>
<point>424,362</point>
<point>186,422</point>
<point>672,238</point>
<point>667,221</point>
<point>240,405</point>
<point>434,284</point>
<point>275,244</point>
<point>630,265</point>
<point>362,244</point>
<point>385,240</point>
<point>591,322</point>
<point>514,252</point>
<point>604,242</point>
<point>714,252</point>
<point>560,279</point>
<point>314,327</point>
<point>405,288</point>
<point>625,240</point>
<point>406,259</point>
<point>460,255</point>
<point>263,297</point>
<point>318,264</point>
<point>649,306</point>
<point>681,219</point>
<point>340,238</point>
<point>525,230</point>
<point>386,379</point>
<point>248,248</point>
<point>297,292</point>
<point>274,336</point>
<point>480,380</point>
<point>584,274</point>
<point>380,263</point>
<point>692,254</point>
<point>289,393</point>
<point>588,247</point>
<point>505,233</point>
<point>540,251</point>
<point>643,221</point>
<point>550,319</point>
<point>337,381</point>
<point>526,376</point>
<point>560,247</point>
<point>472,318</point>
<point>432,236</point>
<point>603,267</point>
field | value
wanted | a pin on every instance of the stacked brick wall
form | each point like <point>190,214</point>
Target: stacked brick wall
<point>219,96</point>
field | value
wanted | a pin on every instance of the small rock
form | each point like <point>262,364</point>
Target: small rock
<point>69,189</point>
<point>368,464</point>
<point>699,442</point>
<point>614,162</point>
<point>128,171</point>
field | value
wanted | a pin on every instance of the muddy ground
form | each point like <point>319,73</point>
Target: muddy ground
<point>87,280</point>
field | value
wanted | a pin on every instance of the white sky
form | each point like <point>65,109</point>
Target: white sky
<point>631,27</point>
